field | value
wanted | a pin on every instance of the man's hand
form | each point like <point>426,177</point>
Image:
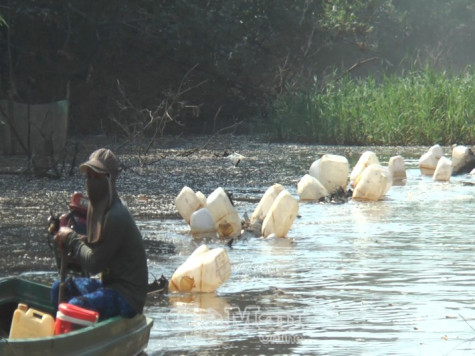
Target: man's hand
<point>61,237</point>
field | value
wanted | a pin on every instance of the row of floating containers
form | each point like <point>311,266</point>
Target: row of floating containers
<point>215,215</point>
<point>277,209</point>
<point>434,163</point>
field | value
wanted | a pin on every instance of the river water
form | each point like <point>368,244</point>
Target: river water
<point>393,277</point>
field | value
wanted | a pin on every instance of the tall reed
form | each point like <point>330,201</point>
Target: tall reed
<point>420,108</point>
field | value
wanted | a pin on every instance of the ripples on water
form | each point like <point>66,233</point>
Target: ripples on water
<point>394,277</point>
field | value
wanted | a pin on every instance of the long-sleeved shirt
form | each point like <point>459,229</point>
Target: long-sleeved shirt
<point>119,256</point>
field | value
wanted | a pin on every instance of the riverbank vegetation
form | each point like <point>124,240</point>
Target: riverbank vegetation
<point>420,107</point>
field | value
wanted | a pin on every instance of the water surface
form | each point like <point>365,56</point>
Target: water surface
<point>394,277</point>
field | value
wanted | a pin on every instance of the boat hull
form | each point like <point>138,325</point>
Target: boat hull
<point>114,336</point>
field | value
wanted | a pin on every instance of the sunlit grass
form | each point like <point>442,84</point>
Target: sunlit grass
<point>420,108</point>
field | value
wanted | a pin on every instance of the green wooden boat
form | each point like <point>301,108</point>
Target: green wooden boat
<point>114,336</point>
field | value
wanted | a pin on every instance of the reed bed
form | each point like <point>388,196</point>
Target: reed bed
<point>419,108</point>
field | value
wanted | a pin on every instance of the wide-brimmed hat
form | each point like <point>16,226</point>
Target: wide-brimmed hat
<point>103,161</point>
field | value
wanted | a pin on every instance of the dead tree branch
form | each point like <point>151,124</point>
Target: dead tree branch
<point>202,147</point>
<point>143,126</point>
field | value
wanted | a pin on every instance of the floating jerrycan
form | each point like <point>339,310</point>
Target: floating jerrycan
<point>201,197</point>
<point>428,161</point>
<point>202,224</point>
<point>187,202</point>
<point>281,215</point>
<point>331,171</point>
<point>436,151</point>
<point>309,188</point>
<point>373,184</point>
<point>443,170</point>
<point>204,271</point>
<point>226,219</point>
<point>397,168</point>
<point>427,164</point>
<point>266,202</point>
<point>461,155</point>
<point>367,158</point>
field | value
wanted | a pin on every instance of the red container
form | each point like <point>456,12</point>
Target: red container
<point>79,203</point>
<point>71,317</point>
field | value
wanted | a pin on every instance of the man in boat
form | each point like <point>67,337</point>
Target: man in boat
<point>112,247</point>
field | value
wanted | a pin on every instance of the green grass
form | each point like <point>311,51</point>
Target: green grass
<point>421,108</point>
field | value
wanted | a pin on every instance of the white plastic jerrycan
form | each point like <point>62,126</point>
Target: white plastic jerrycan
<point>266,202</point>
<point>461,155</point>
<point>373,184</point>
<point>309,188</point>
<point>367,158</point>
<point>30,323</point>
<point>397,168</point>
<point>226,219</point>
<point>443,171</point>
<point>204,270</point>
<point>331,171</point>
<point>281,215</point>
<point>436,151</point>
<point>201,197</point>
<point>427,164</point>
<point>428,161</point>
<point>187,202</point>
<point>202,224</point>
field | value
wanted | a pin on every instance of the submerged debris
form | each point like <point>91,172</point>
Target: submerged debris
<point>158,286</point>
<point>338,196</point>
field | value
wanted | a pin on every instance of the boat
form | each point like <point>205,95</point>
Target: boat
<point>113,336</point>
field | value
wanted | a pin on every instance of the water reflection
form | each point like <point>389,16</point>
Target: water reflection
<point>364,214</point>
<point>199,303</point>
